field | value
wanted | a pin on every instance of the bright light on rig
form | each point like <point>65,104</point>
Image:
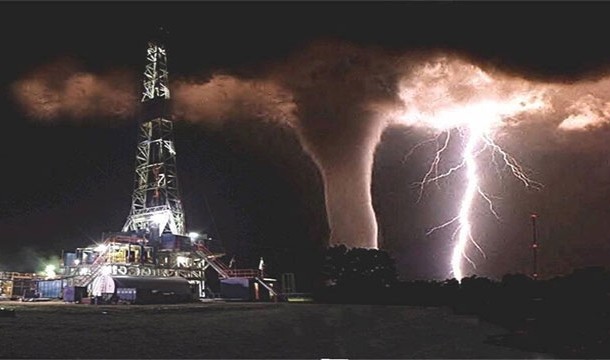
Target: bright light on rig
<point>101,248</point>
<point>194,236</point>
<point>49,271</point>
<point>160,219</point>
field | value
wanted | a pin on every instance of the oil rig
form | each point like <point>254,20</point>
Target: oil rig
<point>153,258</point>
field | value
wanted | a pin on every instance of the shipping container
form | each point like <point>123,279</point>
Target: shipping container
<point>49,288</point>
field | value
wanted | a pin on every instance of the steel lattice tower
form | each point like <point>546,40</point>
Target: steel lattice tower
<point>156,202</point>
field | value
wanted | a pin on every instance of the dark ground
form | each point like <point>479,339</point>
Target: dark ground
<point>245,330</point>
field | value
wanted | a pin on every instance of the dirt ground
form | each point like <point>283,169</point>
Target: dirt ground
<point>222,330</point>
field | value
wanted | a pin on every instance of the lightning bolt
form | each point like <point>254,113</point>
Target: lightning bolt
<point>449,96</point>
<point>477,142</point>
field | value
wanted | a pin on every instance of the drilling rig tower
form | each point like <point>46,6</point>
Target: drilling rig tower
<point>156,205</point>
<point>152,259</point>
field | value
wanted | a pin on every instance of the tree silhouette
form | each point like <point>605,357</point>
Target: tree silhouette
<point>357,274</point>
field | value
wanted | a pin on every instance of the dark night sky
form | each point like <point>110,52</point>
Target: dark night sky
<point>64,183</point>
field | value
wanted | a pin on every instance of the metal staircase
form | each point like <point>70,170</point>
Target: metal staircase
<point>225,272</point>
<point>95,269</point>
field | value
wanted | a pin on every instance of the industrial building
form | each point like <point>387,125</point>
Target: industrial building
<point>153,259</point>
<point>17,285</point>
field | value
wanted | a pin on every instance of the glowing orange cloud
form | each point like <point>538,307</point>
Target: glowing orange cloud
<point>63,91</point>
<point>226,97</point>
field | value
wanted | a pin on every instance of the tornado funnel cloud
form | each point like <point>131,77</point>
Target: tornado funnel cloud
<point>337,88</point>
<point>347,191</point>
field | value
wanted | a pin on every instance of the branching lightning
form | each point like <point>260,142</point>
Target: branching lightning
<point>466,100</point>
<point>477,143</point>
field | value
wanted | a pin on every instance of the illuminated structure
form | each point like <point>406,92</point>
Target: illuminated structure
<point>156,201</point>
<point>152,255</point>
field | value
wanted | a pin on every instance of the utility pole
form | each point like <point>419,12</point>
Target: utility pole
<point>534,247</point>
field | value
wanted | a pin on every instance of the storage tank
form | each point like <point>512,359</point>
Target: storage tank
<point>143,290</point>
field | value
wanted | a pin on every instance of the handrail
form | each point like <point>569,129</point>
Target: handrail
<point>223,270</point>
<point>10,275</point>
<point>243,273</point>
<point>215,264</point>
